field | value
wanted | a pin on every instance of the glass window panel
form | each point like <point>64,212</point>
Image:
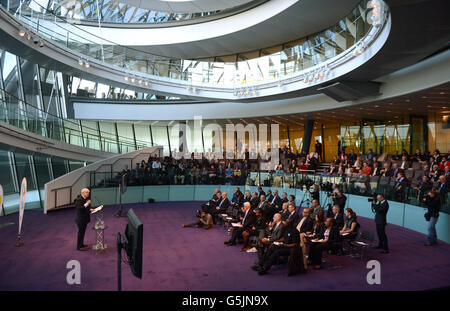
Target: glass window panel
<point>59,167</point>
<point>42,170</point>
<point>109,138</point>
<point>23,168</point>
<point>160,138</point>
<point>6,177</point>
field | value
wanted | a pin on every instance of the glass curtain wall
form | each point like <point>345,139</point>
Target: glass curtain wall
<point>37,168</point>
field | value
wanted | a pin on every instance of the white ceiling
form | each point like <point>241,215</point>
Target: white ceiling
<point>185,6</point>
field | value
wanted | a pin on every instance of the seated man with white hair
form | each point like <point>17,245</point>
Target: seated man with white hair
<point>246,223</point>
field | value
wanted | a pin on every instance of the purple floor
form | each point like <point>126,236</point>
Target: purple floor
<point>177,258</point>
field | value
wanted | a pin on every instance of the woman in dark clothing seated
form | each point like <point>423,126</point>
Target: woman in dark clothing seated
<point>318,229</point>
<point>330,242</point>
<point>350,229</point>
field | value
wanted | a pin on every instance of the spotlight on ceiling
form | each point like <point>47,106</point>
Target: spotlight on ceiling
<point>87,65</point>
<point>29,37</point>
<point>80,62</point>
<point>126,78</point>
<point>133,79</point>
<point>146,83</point>
<point>22,32</point>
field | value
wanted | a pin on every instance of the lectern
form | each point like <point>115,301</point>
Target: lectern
<point>99,228</point>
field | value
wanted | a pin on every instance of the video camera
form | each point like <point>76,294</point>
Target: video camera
<point>373,198</point>
<point>198,214</point>
<point>326,186</point>
<point>307,182</point>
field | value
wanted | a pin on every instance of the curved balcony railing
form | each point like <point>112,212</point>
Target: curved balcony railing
<point>105,11</point>
<point>309,60</point>
<point>17,112</point>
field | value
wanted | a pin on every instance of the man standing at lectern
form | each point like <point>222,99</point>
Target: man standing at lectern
<point>82,205</point>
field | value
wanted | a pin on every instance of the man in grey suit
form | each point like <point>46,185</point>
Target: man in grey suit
<point>273,233</point>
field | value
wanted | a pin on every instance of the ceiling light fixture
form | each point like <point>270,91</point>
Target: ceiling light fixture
<point>22,32</point>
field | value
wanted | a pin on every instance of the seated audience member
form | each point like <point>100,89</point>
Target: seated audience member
<point>350,229</point>
<point>293,215</point>
<point>315,208</point>
<point>302,167</point>
<point>285,246</point>
<point>205,221</point>
<point>329,242</point>
<point>254,201</point>
<point>272,233</point>
<point>338,217</point>
<point>247,196</point>
<point>284,211</point>
<point>276,202</point>
<point>238,197</point>
<point>247,222</point>
<point>269,196</point>
<point>395,156</point>
<point>255,230</point>
<point>284,198</point>
<point>318,228</point>
<point>221,207</point>
<point>291,199</point>
<point>404,165</point>
<point>261,192</point>
<point>366,169</point>
<point>400,186</point>
<point>215,200</point>
<point>435,172</point>
<point>424,186</point>
<point>376,169</point>
<point>447,173</point>
<point>418,156</point>
<point>396,169</point>
<point>305,224</point>
<point>263,205</point>
<point>442,186</point>
<point>386,171</point>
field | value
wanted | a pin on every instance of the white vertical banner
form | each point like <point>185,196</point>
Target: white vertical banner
<point>2,211</point>
<point>23,194</point>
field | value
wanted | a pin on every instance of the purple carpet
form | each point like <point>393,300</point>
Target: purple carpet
<point>177,258</point>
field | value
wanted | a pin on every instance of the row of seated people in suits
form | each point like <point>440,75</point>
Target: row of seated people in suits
<point>287,234</point>
<point>269,203</point>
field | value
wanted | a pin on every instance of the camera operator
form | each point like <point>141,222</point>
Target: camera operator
<point>380,207</point>
<point>433,203</point>
<point>315,195</point>
<point>338,199</point>
<point>205,221</point>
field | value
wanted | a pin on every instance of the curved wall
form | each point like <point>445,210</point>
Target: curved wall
<point>405,215</point>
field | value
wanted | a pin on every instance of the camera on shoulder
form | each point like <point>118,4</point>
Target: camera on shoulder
<point>373,198</point>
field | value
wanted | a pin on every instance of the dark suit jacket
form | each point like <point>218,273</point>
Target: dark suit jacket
<point>307,225</point>
<point>278,202</point>
<point>319,231</point>
<point>250,220</point>
<point>380,210</point>
<point>254,202</point>
<point>224,203</point>
<point>339,218</point>
<point>295,218</point>
<point>83,213</point>
<point>276,232</point>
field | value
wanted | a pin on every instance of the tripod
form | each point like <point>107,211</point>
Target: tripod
<point>122,190</point>
<point>305,199</point>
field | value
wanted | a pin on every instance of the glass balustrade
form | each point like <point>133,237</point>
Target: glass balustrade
<point>18,113</point>
<point>309,58</point>
<point>356,185</point>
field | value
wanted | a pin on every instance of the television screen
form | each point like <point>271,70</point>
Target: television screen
<point>134,239</point>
